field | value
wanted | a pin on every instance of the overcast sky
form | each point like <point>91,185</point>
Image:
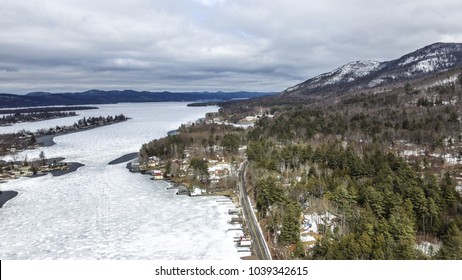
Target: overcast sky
<point>198,45</point>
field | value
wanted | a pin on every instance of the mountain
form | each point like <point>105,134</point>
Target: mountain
<point>368,74</point>
<point>116,96</point>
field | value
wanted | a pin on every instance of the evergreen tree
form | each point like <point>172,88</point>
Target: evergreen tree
<point>452,244</point>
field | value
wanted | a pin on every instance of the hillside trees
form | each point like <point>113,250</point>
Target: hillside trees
<point>230,142</point>
<point>272,202</point>
<point>382,202</point>
<point>204,137</point>
<point>452,248</point>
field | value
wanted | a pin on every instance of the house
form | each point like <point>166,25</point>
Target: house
<point>220,169</point>
<point>196,191</point>
<point>214,179</point>
<point>153,161</point>
<point>157,174</point>
<point>44,168</point>
<point>15,173</point>
<point>4,177</point>
<point>25,171</point>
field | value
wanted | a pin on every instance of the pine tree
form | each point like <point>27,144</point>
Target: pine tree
<point>452,244</point>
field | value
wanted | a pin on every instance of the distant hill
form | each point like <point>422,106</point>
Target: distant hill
<point>368,74</point>
<point>116,96</point>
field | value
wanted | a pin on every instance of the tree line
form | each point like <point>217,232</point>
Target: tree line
<point>32,117</point>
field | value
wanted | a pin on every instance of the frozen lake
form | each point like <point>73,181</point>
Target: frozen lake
<point>102,211</point>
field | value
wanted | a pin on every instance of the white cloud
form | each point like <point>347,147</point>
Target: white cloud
<point>206,44</point>
<point>210,3</point>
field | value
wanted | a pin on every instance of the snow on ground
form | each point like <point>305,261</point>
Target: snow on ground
<point>428,248</point>
<point>312,221</point>
<point>306,238</point>
<point>459,189</point>
<point>352,71</point>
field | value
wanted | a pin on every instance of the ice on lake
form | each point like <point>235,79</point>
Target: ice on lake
<point>102,211</point>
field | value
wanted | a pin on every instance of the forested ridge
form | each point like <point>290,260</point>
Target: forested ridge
<point>385,165</point>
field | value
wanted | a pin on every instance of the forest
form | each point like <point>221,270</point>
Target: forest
<point>385,165</point>
<point>200,139</point>
<point>383,204</point>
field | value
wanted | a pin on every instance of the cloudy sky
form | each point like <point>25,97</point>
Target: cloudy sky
<point>189,45</point>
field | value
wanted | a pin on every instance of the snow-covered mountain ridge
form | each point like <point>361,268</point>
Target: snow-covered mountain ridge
<point>366,74</point>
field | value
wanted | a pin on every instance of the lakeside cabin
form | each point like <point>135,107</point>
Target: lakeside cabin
<point>157,174</point>
<point>153,161</point>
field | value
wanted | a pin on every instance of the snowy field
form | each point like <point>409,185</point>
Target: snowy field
<point>102,211</point>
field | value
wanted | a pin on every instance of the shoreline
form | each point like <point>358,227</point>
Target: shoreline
<point>229,196</point>
<point>47,140</point>
<point>71,167</point>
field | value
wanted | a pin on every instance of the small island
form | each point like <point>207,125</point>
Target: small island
<point>35,168</point>
<point>41,167</point>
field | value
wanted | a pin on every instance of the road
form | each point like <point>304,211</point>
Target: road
<point>258,241</point>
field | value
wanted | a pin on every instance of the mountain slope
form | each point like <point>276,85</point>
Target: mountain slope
<point>367,74</point>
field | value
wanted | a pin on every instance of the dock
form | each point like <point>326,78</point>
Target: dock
<point>235,221</point>
<point>234,211</point>
<point>234,229</point>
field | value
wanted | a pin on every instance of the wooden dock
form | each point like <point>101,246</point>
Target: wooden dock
<point>235,221</point>
<point>234,229</point>
<point>234,211</point>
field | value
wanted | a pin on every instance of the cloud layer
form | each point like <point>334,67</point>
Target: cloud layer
<point>186,45</point>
